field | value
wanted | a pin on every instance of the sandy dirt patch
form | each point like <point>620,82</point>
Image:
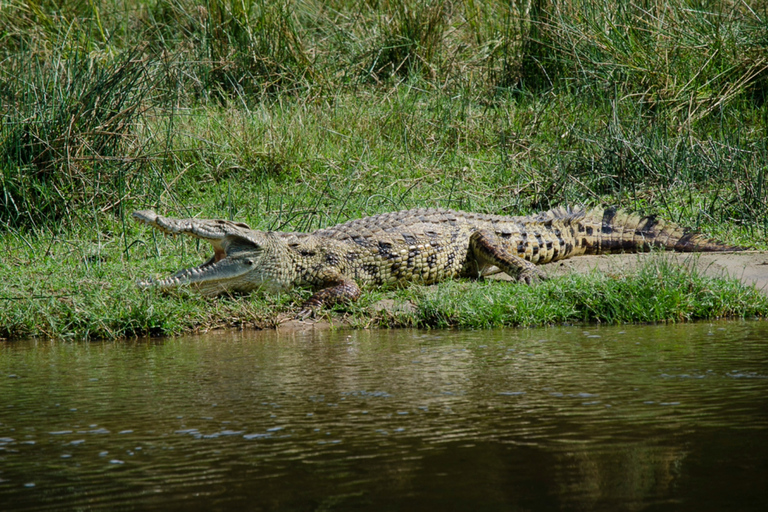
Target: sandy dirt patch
<point>750,267</point>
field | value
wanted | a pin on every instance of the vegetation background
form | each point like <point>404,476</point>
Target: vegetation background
<point>296,114</point>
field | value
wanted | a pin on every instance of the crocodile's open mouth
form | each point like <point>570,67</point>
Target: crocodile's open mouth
<point>233,259</point>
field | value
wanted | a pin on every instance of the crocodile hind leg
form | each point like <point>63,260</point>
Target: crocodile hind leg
<point>488,250</point>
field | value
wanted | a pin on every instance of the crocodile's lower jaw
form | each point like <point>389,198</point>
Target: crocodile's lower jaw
<point>210,278</point>
<point>217,279</point>
<point>204,287</point>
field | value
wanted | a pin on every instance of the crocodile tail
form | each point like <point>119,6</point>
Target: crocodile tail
<point>614,230</point>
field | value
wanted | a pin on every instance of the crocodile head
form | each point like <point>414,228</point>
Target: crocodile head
<point>240,262</point>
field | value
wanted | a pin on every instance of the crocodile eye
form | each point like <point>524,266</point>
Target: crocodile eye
<point>249,262</point>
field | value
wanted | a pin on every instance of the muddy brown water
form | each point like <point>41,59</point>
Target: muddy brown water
<point>671,417</point>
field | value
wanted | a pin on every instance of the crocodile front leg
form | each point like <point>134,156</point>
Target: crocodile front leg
<point>488,250</point>
<point>335,288</point>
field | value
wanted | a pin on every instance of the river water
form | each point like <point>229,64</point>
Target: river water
<point>671,417</point>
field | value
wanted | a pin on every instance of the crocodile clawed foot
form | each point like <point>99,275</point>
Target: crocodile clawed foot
<point>341,289</point>
<point>531,276</point>
<point>305,313</point>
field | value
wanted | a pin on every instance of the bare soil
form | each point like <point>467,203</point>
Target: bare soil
<point>750,267</point>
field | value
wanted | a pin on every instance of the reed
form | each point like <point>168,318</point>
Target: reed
<point>299,114</point>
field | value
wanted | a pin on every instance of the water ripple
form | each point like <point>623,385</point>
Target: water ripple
<point>605,414</point>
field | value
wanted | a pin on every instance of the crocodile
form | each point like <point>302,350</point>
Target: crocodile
<point>425,245</point>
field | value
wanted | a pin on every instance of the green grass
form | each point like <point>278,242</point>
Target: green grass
<point>658,292</point>
<point>95,297</point>
<point>299,114</point>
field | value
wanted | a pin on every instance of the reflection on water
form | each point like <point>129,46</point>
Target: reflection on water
<point>633,417</point>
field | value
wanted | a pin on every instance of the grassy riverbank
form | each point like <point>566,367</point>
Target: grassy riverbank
<point>101,301</point>
<point>299,114</point>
